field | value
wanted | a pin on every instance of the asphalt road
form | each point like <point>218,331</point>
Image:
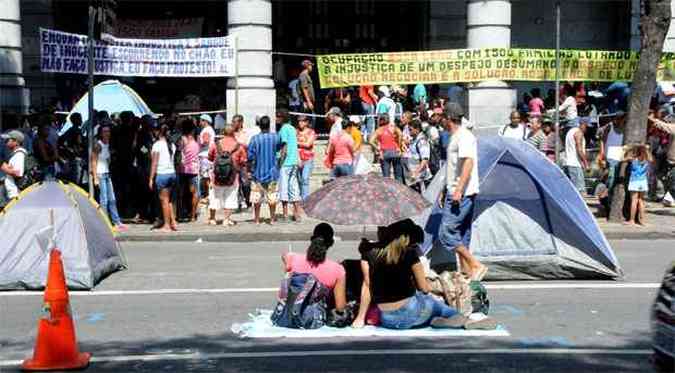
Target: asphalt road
<point>139,320</point>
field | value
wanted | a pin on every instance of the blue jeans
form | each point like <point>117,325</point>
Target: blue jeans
<point>368,126</point>
<point>343,169</point>
<point>455,229</point>
<point>387,163</point>
<point>305,174</point>
<point>576,175</point>
<point>107,198</point>
<point>418,311</point>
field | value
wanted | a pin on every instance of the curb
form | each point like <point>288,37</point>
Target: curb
<point>341,236</point>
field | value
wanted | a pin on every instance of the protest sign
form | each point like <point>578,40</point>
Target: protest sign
<point>474,65</point>
<point>63,52</point>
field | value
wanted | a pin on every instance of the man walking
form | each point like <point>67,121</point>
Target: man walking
<point>288,158</point>
<point>262,160</point>
<point>459,195</point>
<point>575,156</point>
<point>306,87</point>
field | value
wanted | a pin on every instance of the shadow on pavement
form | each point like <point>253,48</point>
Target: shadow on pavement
<point>228,353</point>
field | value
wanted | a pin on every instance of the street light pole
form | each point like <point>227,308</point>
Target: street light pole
<point>90,128</point>
<point>557,83</point>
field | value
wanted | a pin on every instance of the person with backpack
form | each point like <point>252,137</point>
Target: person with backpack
<point>163,176</point>
<point>420,153</point>
<point>228,157</point>
<point>329,273</point>
<point>100,166</point>
<point>14,169</point>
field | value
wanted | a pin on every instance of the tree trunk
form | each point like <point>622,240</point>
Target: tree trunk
<point>654,23</point>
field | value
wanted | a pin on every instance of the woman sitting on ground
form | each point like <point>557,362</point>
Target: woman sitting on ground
<point>395,281</point>
<point>328,272</point>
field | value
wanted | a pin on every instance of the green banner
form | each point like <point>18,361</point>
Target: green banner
<point>475,65</point>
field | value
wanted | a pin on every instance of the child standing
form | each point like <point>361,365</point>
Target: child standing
<point>639,159</point>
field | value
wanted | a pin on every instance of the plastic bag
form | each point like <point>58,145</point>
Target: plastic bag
<point>362,166</point>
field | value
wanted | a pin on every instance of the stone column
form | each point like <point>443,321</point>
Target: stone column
<point>489,26</point>
<point>251,22</point>
<point>13,93</point>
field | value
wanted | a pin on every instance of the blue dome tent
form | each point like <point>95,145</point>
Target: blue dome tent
<point>529,222</point>
<point>111,96</point>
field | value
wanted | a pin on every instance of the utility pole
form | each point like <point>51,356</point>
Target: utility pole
<point>92,120</point>
<point>557,83</point>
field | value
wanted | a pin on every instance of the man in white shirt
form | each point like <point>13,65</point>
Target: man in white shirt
<point>334,118</point>
<point>515,129</point>
<point>386,105</point>
<point>14,169</point>
<point>611,146</point>
<point>207,136</point>
<point>459,195</point>
<point>575,156</point>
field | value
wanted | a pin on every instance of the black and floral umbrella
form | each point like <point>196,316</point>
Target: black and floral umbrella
<point>364,200</point>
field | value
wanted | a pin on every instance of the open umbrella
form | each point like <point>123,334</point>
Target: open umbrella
<point>364,200</point>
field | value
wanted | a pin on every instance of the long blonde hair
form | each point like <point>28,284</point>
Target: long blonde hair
<point>393,252</point>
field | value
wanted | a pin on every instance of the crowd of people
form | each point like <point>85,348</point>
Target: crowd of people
<point>407,132</point>
<point>160,170</point>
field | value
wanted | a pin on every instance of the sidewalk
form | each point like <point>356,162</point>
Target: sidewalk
<point>661,225</point>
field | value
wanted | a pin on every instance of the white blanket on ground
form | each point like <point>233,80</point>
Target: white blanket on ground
<point>260,326</point>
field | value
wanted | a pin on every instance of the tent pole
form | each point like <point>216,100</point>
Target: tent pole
<point>90,128</point>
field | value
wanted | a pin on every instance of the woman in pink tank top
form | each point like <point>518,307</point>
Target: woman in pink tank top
<point>188,171</point>
<point>330,273</point>
<point>387,140</point>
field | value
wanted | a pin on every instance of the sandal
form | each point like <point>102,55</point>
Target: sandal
<point>229,223</point>
<point>212,222</point>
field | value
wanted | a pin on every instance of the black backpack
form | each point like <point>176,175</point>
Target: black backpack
<point>434,153</point>
<point>302,304</point>
<point>31,171</point>
<point>224,170</point>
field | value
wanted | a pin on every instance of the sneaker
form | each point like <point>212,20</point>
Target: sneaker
<point>454,322</point>
<point>486,323</point>
<point>121,228</point>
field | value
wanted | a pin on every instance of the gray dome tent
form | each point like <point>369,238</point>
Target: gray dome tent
<point>83,235</point>
<point>529,222</point>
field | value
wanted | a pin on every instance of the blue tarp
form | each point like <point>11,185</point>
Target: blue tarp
<point>529,221</point>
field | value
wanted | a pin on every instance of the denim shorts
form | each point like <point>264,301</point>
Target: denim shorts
<point>417,312</point>
<point>165,181</point>
<point>456,222</point>
<point>289,189</point>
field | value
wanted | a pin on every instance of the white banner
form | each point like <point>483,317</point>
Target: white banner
<point>159,28</point>
<point>63,52</point>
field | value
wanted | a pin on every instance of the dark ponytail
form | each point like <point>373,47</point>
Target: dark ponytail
<point>322,239</point>
<point>316,253</point>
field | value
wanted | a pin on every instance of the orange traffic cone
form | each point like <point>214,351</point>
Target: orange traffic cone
<point>56,346</point>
